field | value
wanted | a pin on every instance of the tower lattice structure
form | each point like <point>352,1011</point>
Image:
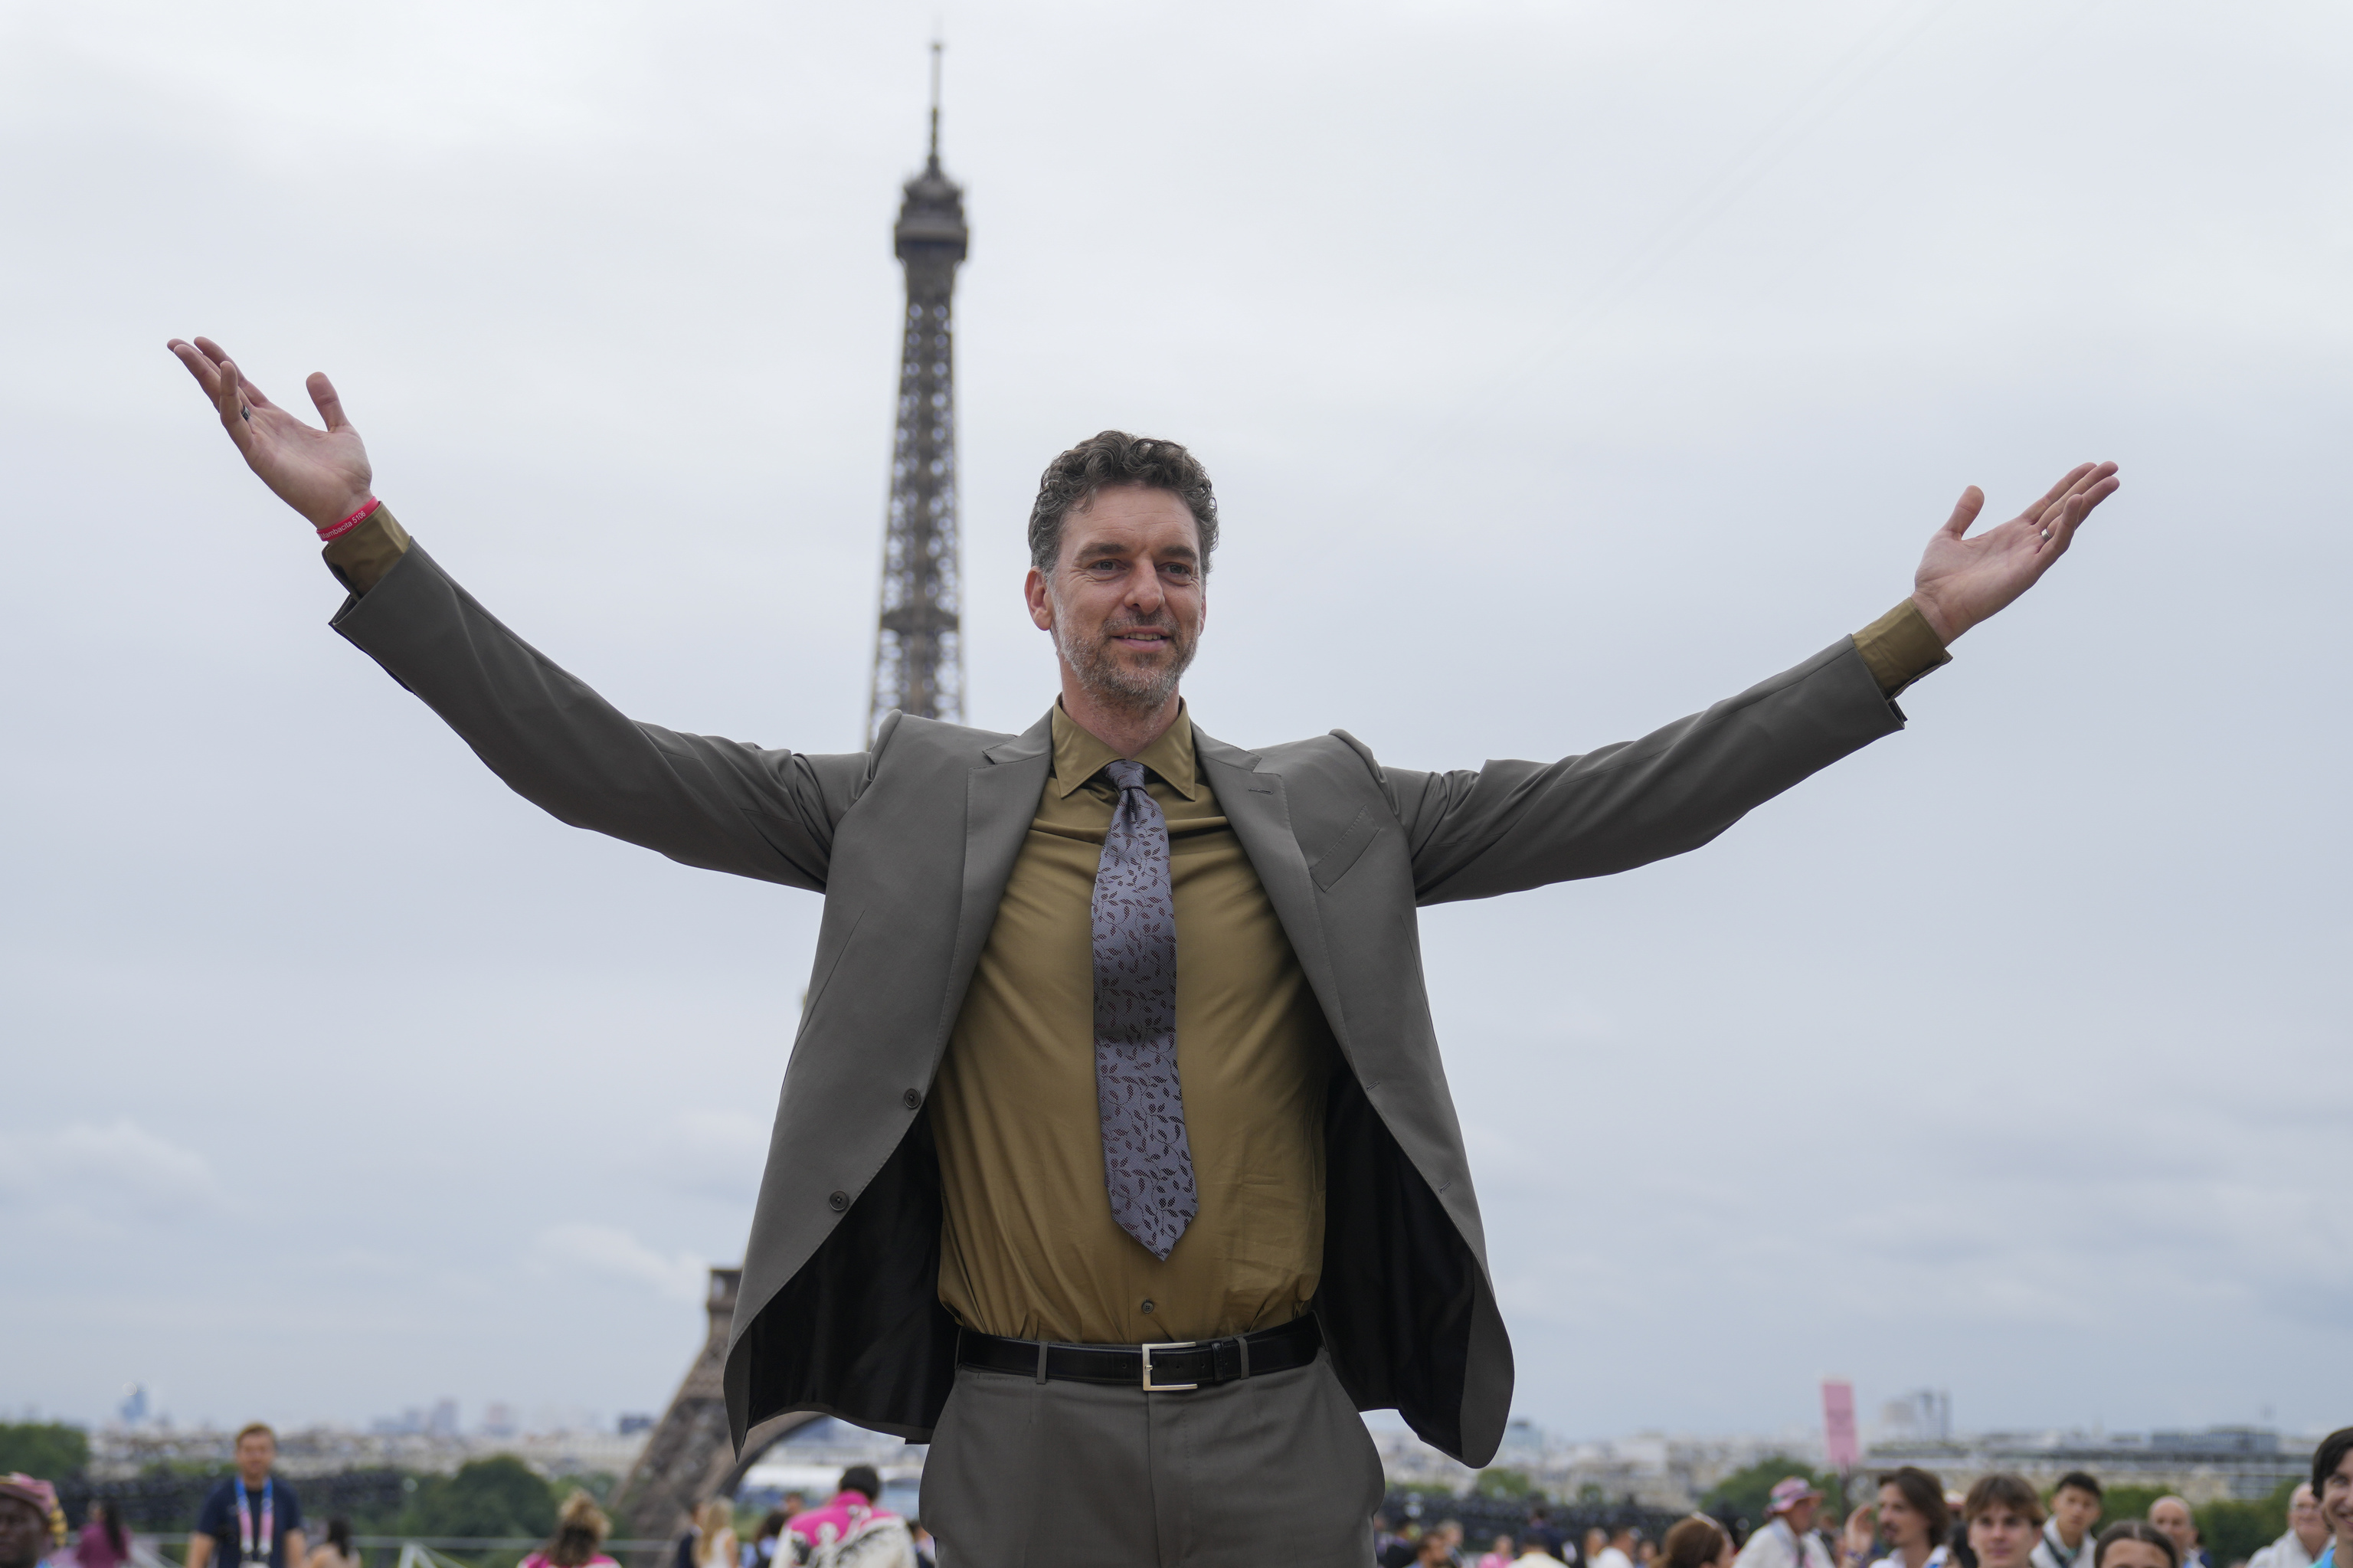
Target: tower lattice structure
<point>919,647</point>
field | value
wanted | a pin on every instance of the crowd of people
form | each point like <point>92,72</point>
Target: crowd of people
<point>1913,1521</point>
<point>254,1519</point>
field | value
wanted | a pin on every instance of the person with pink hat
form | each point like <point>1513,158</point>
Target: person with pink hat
<point>31,1525</point>
<point>1788,1539</point>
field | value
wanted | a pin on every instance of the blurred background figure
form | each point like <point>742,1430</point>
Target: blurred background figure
<point>104,1543</point>
<point>1499,1554</point>
<point>2076,1504</point>
<point>714,1535</point>
<point>1618,1551</point>
<point>1914,1518</point>
<point>2332,1482</point>
<point>2306,1537</point>
<point>852,1528</point>
<point>2172,1515</point>
<point>1596,1542</point>
<point>2134,1543</point>
<point>1697,1543</point>
<point>252,1519</point>
<point>762,1549</point>
<point>31,1525</point>
<point>1956,1540</point>
<point>2005,1516</point>
<point>579,1539</point>
<point>336,1551</point>
<point>1788,1539</point>
<point>1543,1534</point>
<point>1534,1554</point>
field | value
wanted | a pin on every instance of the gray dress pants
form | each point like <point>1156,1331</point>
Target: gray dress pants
<point>1270,1469</point>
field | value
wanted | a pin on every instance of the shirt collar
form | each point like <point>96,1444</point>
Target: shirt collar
<point>1079,756</point>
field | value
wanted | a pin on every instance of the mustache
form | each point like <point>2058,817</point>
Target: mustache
<point>1160,623</point>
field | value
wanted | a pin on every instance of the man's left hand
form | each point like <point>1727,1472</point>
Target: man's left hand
<point>1963,581</point>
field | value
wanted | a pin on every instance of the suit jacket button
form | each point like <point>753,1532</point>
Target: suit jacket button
<point>840,1201</point>
<point>911,1099</point>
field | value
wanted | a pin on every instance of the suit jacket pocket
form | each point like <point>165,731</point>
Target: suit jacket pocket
<point>1333,863</point>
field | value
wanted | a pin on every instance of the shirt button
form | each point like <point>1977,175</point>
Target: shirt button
<point>911,1099</point>
<point>1147,1303</point>
<point>840,1201</point>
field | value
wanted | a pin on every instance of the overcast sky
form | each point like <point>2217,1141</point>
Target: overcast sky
<point>1562,367</point>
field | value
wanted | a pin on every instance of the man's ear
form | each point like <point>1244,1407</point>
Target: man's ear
<point>1041,603</point>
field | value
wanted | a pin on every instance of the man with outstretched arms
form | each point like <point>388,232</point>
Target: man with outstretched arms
<point>1114,1156</point>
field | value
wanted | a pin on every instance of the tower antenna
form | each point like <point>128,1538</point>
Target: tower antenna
<point>919,642</point>
<point>938,47</point>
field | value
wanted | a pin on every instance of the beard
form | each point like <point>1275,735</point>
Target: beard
<point>1097,664</point>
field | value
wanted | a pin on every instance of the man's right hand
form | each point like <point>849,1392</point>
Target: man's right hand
<point>323,474</point>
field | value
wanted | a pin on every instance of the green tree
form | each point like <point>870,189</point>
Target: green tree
<point>1744,1493</point>
<point>500,1496</point>
<point>1502,1483</point>
<point>2233,1529</point>
<point>47,1449</point>
<point>2129,1502</point>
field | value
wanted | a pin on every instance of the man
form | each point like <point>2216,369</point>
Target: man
<point>1535,1552</point>
<point>2005,1518</point>
<point>1620,1552</point>
<point>2075,1505</point>
<point>1114,1156</point>
<point>2332,1480</point>
<point>1540,1533</point>
<point>2306,1536</point>
<point>252,1519</point>
<point>31,1525</point>
<point>2171,1514</point>
<point>1788,1538</point>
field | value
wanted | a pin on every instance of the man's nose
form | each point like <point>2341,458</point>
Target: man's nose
<point>1143,590</point>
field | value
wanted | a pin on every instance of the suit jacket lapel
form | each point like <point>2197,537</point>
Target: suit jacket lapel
<point>1252,795</point>
<point>1000,802</point>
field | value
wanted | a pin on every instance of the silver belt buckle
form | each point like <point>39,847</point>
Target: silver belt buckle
<point>1152,1387</point>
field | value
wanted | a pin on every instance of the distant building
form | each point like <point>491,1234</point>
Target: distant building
<point>1924,1415</point>
<point>2219,1462</point>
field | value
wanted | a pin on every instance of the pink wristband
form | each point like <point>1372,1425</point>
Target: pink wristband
<point>354,521</point>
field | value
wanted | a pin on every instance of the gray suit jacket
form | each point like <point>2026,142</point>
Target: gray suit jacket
<point>912,842</point>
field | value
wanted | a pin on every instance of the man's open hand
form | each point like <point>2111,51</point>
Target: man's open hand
<point>323,474</point>
<point>1963,581</point>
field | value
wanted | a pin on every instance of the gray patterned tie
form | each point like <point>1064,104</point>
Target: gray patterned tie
<point>1148,1163</point>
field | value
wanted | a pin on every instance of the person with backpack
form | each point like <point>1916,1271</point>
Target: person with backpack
<point>852,1529</point>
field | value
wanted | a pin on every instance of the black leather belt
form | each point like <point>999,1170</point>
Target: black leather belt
<point>1172,1368</point>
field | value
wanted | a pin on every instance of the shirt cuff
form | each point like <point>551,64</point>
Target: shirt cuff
<point>1900,647</point>
<point>361,557</point>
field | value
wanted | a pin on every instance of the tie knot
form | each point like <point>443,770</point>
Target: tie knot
<point>1126,775</point>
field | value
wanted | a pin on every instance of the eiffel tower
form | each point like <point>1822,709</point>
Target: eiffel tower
<point>919,646</point>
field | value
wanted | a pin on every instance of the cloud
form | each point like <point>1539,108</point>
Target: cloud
<point>116,1175</point>
<point>613,1253</point>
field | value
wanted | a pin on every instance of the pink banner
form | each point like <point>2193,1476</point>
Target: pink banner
<point>1837,1423</point>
